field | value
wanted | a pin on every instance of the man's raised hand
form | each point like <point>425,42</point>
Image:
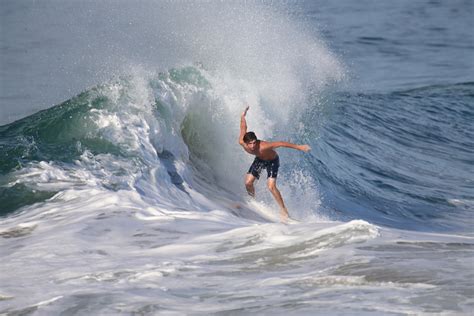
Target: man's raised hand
<point>305,148</point>
<point>245,111</point>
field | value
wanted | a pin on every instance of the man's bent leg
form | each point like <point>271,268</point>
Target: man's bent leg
<point>249,180</point>
<point>276,194</point>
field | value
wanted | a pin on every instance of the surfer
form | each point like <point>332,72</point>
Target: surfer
<point>265,158</point>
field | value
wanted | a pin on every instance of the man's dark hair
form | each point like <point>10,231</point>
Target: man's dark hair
<point>249,136</point>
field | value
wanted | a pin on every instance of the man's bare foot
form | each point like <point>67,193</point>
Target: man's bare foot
<point>284,215</point>
<point>236,205</point>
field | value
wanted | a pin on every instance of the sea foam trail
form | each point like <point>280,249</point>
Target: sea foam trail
<point>124,256</point>
<point>114,241</point>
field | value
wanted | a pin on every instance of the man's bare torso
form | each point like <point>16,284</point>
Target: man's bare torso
<point>262,151</point>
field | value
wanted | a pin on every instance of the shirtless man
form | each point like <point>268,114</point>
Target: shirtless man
<point>266,158</point>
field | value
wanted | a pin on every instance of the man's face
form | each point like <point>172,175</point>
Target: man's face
<point>252,145</point>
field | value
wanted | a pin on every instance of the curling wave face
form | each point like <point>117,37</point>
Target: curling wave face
<point>162,135</point>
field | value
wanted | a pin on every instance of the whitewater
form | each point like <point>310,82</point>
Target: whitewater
<point>127,197</point>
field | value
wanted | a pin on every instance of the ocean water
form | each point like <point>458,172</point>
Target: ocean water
<point>121,179</point>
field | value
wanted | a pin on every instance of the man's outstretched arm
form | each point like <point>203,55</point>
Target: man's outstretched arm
<point>243,126</point>
<point>304,148</point>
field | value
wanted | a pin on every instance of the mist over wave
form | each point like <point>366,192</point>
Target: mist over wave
<point>246,40</point>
